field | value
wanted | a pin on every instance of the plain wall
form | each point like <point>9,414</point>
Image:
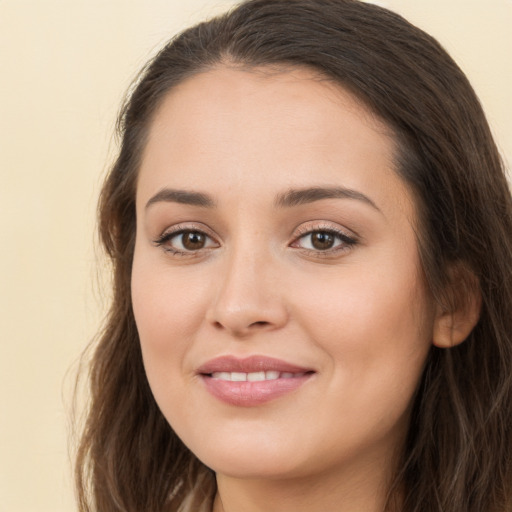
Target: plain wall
<point>64,66</point>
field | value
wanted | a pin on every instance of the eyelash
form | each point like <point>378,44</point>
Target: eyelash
<point>347,242</point>
<point>175,232</point>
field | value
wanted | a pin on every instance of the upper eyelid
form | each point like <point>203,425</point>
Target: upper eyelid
<point>322,225</point>
<point>343,237</point>
<point>192,226</point>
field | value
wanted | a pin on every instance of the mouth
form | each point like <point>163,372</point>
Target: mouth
<point>255,376</point>
<point>251,381</point>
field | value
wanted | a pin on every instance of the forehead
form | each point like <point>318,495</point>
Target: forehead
<point>267,129</point>
<point>277,97</point>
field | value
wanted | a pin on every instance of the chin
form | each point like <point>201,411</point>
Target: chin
<point>252,460</point>
<point>247,469</point>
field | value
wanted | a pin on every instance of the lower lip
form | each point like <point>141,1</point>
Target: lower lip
<point>250,394</point>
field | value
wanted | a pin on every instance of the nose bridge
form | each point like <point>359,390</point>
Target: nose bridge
<point>248,298</point>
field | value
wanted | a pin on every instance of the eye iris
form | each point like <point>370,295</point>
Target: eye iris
<point>192,240</point>
<point>322,240</point>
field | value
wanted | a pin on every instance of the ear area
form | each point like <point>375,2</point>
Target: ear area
<point>460,311</point>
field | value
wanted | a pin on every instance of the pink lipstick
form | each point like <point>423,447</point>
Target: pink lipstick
<point>253,380</point>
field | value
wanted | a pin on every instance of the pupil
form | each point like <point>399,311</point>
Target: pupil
<point>193,240</point>
<point>322,240</point>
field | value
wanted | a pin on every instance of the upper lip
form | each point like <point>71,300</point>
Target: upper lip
<point>249,364</point>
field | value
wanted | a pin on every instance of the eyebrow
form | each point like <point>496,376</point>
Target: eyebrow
<point>297,197</point>
<point>288,199</point>
<point>168,195</point>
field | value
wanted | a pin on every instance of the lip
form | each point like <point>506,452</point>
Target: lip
<point>251,393</point>
<point>249,364</point>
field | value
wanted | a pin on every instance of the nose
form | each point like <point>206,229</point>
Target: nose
<point>250,296</point>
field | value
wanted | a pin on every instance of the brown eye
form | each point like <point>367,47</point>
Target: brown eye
<point>193,240</point>
<point>325,240</point>
<point>322,240</point>
<point>185,241</point>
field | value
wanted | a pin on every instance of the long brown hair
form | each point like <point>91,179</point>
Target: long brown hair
<point>458,455</point>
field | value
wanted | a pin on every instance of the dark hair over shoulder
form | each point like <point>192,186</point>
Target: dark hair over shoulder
<point>458,456</point>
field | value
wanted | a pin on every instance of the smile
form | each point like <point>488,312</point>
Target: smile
<point>255,376</point>
<point>252,381</point>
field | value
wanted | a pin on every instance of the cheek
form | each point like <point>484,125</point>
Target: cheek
<point>377,337</point>
<point>168,310</point>
<point>376,327</point>
<point>167,313</point>
<point>347,304</point>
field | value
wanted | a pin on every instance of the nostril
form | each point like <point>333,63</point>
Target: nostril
<point>259,324</point>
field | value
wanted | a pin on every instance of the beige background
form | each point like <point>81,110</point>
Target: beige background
<point>64,65</point>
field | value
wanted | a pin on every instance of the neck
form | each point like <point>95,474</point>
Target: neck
<point>362,490</point>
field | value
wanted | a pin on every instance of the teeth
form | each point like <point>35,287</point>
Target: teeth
<point>254,376</point>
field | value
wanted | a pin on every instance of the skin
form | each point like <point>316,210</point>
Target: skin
<point>359,314</point>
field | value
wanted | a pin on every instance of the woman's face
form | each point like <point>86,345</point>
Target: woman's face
<point>277,289</point>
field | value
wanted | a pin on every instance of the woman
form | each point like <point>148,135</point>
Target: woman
<point>310,231</point>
